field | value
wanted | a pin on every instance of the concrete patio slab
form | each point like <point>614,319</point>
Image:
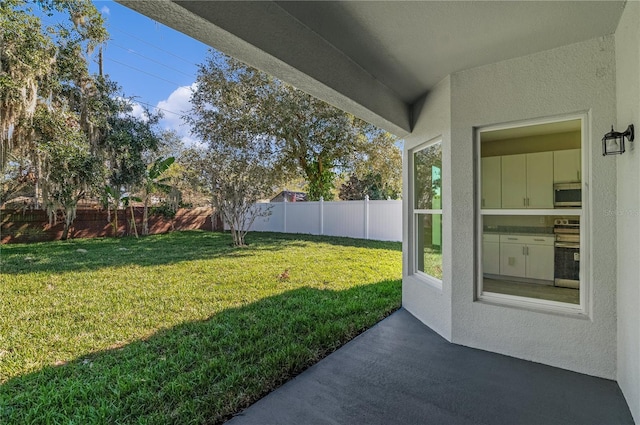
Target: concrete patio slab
<point>402,372</point>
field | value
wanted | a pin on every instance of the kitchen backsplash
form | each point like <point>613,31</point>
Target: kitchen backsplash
<point>517,229</point>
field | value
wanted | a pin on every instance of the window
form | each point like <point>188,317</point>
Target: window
<point>427,209</point>
<point>531,206</point>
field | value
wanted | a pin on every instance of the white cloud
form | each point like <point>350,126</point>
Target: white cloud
<point>105,10</point>
<point>139,112</point>
<point>177,104</point>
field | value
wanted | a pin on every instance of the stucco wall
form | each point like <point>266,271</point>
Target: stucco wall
<point>432,117</point>
<point>628,207</point>
<point>571,79</point>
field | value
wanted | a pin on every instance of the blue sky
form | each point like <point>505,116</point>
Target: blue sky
<point>151,62</point>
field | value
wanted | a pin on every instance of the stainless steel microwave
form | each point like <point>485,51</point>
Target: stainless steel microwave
<point>567,194</point>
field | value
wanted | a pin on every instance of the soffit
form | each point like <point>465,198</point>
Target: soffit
<point>376,58</point>
<point>411,46</point>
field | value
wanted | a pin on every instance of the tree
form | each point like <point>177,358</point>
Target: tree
<point>45,66</point>
<point>370,185</point>
<point>17,179</point>
<point>124,148</point>
<point>71,170</point>
<point>427,164</point>
<point>154,182</point>
<point>313,137</point>
<point>128,140</point>
<point>239,166</point>
<point>309,137</point>
<point>379,165</point>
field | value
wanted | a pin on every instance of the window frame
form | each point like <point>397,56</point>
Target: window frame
<point>415,213</point>
<point>583,308</point>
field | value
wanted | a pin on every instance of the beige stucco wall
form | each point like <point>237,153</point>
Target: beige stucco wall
<point>428,303</point>
<point>579,78</point>
<point>628,206</point>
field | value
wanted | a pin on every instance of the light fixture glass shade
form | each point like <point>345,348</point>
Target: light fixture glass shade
<point>613,141</point>
<point>614,146</point>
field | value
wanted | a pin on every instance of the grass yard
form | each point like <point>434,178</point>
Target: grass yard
<point>177,328</point>
<point>433,262</point>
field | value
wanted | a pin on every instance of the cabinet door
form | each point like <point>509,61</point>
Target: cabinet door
<point>539,262</point>
<point>512,260</point>
<point>491,182</point>
<point>490,258</point>
<point>514,181</point>
<point>540,180</point>
<point>567,166</point>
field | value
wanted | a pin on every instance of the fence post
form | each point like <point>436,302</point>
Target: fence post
<point>366,216</point>
<point>284,215</point>
<point>321,203</point>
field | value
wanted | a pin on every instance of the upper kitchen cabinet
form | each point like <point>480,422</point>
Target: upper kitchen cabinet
<point>540,180</point>
<point>491,182</point>
<point>567,166</point>
<point>514,181</point>
<point>527,180</point>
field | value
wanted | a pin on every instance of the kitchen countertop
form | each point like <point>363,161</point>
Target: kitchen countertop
<point>520,231</point>
<point>517,233</point>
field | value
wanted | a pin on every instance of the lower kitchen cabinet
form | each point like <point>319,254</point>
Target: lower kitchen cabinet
<point>491,254</point>
<point>540,262</point>
<point>513,260</point>
<point>527,256</point>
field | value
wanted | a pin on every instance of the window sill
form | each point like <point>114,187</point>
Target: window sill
<point>531,304</point>
<point>428,280</point>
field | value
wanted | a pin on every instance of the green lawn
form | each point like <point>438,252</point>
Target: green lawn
<point>433,262</point>
<point>178,328</point>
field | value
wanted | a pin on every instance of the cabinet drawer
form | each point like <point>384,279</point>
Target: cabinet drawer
<point>538,240</point>
<point>490,238</point>
<point>512,239</point>
<point>527,240</point>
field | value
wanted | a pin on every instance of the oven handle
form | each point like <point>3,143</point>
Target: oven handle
<point>567,245</point>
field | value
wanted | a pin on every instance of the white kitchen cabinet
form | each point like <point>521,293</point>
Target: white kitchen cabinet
<point>567,166</point>
<point>491,254</point>
<point>491,171</point>
<point>527,180</point>
<point>540,180</point>
<point>539,262</point>
<point>514,181</point>
<point>512,259</point>
<point>527,256</point>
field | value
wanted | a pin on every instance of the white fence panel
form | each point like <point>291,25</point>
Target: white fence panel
<point>385,220</point>
<point>270,223</point>
<point>344,219</point>
<point>303,217</point>
<point>378,220</point>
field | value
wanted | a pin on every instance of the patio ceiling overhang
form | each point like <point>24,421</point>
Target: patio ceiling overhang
<point>377,59</point>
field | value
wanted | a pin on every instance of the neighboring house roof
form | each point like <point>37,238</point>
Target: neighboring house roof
<point>290,196</point>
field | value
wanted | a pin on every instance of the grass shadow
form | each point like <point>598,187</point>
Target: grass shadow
<point>170,248</point>
<point>204,371</point>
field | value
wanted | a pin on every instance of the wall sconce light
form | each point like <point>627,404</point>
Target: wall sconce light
<point>613,141</point>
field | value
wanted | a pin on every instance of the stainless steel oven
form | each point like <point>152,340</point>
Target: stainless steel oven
<point>567,253</point>
<point>567,195</point>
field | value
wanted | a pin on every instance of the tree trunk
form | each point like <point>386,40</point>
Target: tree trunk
<point>145,218</point>
<point>133,222</point>
<point>65,231</point>
<point>115,223</point>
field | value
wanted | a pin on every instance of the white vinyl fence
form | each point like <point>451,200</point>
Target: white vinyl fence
<point>378,220</point>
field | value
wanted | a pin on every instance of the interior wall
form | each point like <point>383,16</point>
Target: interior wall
<point>628,207</point>
<point>532,144</point>
<point>578,78</point>
<point>431,305</point>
